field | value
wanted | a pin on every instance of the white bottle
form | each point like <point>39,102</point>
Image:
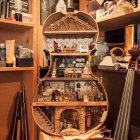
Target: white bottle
<point>61,6</point>
<point>106,47</point>
<point>14,61</point>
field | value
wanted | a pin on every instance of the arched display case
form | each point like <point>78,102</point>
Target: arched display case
<point>70,99</point>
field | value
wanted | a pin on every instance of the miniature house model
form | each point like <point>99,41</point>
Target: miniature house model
<point>70,99</point>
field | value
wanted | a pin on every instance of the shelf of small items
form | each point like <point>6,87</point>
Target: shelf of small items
<point>70,99</point>
<point>110,22</point>
<point>60,101</point>
<point>71,91</point>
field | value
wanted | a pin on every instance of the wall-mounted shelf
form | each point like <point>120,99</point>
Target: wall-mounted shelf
<point>122,70</point>
<point>119,20</point>
<point>98,103</point>
<point>11,25</point>
<point>16,68</point>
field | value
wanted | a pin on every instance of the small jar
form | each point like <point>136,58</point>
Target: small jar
<point>18,10</point>
<point>18,16</point>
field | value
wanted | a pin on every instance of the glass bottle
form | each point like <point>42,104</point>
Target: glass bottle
<point>45,10</point>
<point>2,52</point>
<point>2,55</point>
<point>4,9</point>
<point>135,3</point>
<point>106,48</point>
<point>70,5</point>
<point>18,10</point>
<point>61,6</point>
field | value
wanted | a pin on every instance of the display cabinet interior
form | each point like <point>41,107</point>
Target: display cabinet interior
<point>69,88</point>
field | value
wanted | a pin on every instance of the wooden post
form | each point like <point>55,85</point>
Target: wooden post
<point>129,38</point>
<point>84,5</point>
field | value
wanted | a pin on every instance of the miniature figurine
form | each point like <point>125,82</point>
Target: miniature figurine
<point>54,70</point>
<point>56,47</point>
<point>55,93</point>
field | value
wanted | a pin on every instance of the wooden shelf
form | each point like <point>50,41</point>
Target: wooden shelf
<point>98,103</point>
<point>66,79</point>
<point>16,68</point>
<point>119,20</point>
<point>111,70</point>
<point>69,32</point>
<point>11,78</point>
<point>11,25</point>
<point>70,54</point>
